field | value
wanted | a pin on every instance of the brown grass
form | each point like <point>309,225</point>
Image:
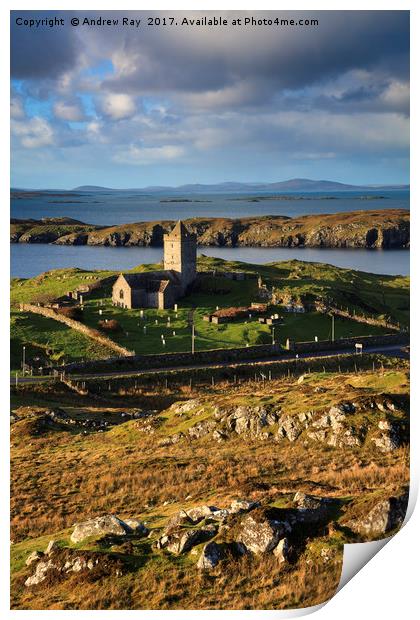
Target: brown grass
<point>61,478</point>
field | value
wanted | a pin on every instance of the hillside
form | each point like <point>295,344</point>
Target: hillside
<point>229,496</point>
<point>290,185</point>
<point>358,229</point>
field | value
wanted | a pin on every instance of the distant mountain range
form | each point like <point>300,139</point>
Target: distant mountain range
<point>292,185</point>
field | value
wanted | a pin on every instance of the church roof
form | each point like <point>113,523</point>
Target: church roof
<point>151,280</point>
<point>179,230</point>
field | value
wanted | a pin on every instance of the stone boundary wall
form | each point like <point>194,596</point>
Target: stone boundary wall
<point>261,371</point>
<point>348,343</point>
<point>168,360</point>
<point>228,356</point>
<point>365,319</point>
<point>94,334</point>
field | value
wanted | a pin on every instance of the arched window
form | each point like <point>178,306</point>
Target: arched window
<point>121,294</point>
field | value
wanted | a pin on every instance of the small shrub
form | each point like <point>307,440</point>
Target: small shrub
<point>71,312</point>
<point>231,313</point>
<point>109,326</point>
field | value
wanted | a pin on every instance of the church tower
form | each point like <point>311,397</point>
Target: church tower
<point>180,253</point>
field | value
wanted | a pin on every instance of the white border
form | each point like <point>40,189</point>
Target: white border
<point>387,586</point>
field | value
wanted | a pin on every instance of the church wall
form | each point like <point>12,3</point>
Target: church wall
<point>123,301</point>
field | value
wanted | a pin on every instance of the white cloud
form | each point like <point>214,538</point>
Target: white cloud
<point>118,106</point>
<point>69,111</point>
<point>142,156</point>
<point>16,108</point>
<point>33,133</point>
<point>397,95</point>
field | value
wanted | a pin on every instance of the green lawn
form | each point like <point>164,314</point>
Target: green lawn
<point>144,335</point>
<point>48,339</point>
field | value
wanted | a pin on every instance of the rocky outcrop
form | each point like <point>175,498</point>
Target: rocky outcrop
<point>260,534</point>
<point>389,436</point>
<point>33,557</point>
<point>385,516</point>
<point>212,554</point>
<point>344,425</point>
<point>182,540</point>
<point>103,526</point>
<point>282,550</point>
<point>66,562</point>
<point>358,229</point>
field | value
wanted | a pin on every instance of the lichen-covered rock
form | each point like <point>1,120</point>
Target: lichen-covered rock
<point>212,554</point>
<point>260,534</point>
<point>201,429</point>
<point>185,406</point>
<point>310,508</point>
<point>320,435</point>
<point>34,557</point>
<point>385,516</point>
<point>389,438</point>
<point>198,513</point>
<point>313,502</point>
<point>289,427</point>
<point>182,540</point>
<point>137,527</point>
<point>66,561</point>
<point>40,573</point>
<point>180,518</point>
<point>221,515</point>
<point>242,505</point>
<point>51,547</point>
<point>342,408</point>
<point>282,550</point>
<point>100,526</point>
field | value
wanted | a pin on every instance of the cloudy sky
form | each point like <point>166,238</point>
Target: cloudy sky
<point>129,107</point>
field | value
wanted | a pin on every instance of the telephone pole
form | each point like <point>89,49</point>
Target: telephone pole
<point>23,360</point>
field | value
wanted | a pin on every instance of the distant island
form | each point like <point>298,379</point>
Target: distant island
<point>384,229</point>
<point>290,185</point>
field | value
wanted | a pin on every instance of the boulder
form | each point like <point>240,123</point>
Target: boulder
<point>320,435</point>
<point>34,557</point>
<point>198,513</point>
<point>137,527</point>
<point>201,429</point>
<point>219,435</point>
<point>40,573</point>
<point>180,518</point>
<point>185,406</point>
<point>212,554</point>
<point>311,508</point>
<point>221,515</point>
<point>100,526</point>
<point>182,540</point>
<point>385,516</point>
<point>289,427</point>
<point>242,505</point>
<point>389,439</point>
<point>342,408</point>
<point>67,561</point>
<point>260,534</point>
<point>51,547</point>
<point>282,550</point>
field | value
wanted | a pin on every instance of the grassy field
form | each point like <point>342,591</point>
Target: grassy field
<point>50,340</point>
<point>144,335</point>
<point>373,295</point>
<point>125,471</point>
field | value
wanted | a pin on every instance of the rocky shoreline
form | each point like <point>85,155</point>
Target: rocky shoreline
<point>382,229</point>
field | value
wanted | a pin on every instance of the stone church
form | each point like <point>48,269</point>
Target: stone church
<point>161,289</point>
